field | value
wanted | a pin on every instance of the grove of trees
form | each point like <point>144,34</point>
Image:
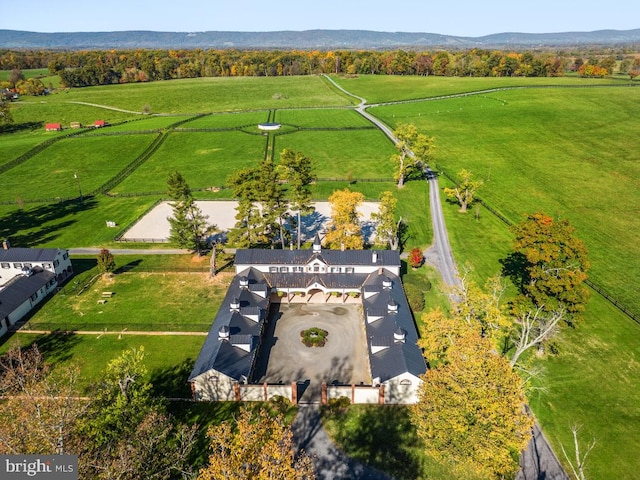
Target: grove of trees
<point>103,67</point>
<point>266,194</point>
<point>119,431</point>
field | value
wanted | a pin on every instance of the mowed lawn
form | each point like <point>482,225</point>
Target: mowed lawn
<point>393,88</point>
<point>205,159</point>
<point>72,223</point>
<point>343,153</point>
<point>590,382</point>
<point>570,153</point>
<point>52,172</point>
<point>188,303</point>
<point>168,359</point>
<point>206,95</point>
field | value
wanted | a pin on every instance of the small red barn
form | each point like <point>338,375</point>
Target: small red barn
<point>99,123</point>
<point>53,127</point>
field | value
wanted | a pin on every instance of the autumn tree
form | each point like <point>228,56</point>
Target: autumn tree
<point>6,117</point>
<point>464,193</point>
<point>414,150</point>
<point>470,411</point>
<point>549,265</point>
<point>344,229</point>
<point>40,409</point>
<point>416,257</point>
<point>106,262</point>
<point>189,225</point>
<point>257,447</point>
<point>388,229</point>
<point>125,432</point>
<point>298,173</point>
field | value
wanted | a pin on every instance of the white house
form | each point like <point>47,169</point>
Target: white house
<point>230,352</point>
<point>27,276</point>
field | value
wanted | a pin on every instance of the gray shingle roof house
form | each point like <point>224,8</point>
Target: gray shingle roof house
<point>229,354</point>
<point>27,276</point>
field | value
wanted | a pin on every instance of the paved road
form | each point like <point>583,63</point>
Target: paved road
<point>330,462</point>
<point>439,254</point>
<point>539,461</point>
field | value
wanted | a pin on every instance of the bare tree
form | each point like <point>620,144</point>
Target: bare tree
<point>534,327</point>
<point>578,468</point>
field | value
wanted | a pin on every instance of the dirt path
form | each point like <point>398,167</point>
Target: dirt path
<point>17,329</point>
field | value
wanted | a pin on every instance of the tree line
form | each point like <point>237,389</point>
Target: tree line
<point>104,67</point>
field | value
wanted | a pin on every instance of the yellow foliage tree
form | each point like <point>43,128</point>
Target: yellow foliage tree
<point>471,411</point>
<point>345,230</point>
<point>259,448</point>
<point>464,193</point>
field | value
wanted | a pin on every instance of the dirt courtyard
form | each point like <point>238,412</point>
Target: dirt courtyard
<point>343,359</point>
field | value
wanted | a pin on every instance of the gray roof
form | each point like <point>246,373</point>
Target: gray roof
<point>16,254</point>
<point>328,280</point>
<point>398,357</point>
<point>20,288</point>
<point>255,256</point>
<point>220,354</point>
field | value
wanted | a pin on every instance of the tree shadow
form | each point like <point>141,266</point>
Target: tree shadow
<point>203,414</point>
<point>17,127</point>
<point>383,437</point>
<point>39,225</point>
<point>515,266</point>
<point>128,267</point>
<point>171,382</point>
<point>54,347</point>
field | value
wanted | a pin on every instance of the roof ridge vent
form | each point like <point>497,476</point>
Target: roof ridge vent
<point>392,306</point>
<point>234,306</point>
<point>224,332</point>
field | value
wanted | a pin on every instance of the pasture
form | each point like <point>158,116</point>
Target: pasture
<point>570,152</point>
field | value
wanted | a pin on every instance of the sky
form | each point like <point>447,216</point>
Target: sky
<point>468,18</point>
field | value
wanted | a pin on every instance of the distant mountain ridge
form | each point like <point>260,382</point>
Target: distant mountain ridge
<point>308,39</point>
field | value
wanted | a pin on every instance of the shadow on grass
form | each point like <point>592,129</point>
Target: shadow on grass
<point>204,414</point>
<point>81,265</point>
<point>129,266</point>
<point>17,127</point>
<point>57,347</point>
<point>171,382</point>
<point>31,227</point>
<point>382,437</point>
<point>54,347</point>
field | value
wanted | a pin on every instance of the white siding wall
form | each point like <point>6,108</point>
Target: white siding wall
<point>213,386</point>
<point>402,389</point>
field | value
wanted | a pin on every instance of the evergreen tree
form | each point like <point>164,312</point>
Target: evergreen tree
<point>298,172</point>
<point>189,225</point>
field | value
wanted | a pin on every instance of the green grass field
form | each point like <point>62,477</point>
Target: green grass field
<point>50,173</point>
<point>205,159</point>
<point>570,152</point>
<point>393,88</point>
